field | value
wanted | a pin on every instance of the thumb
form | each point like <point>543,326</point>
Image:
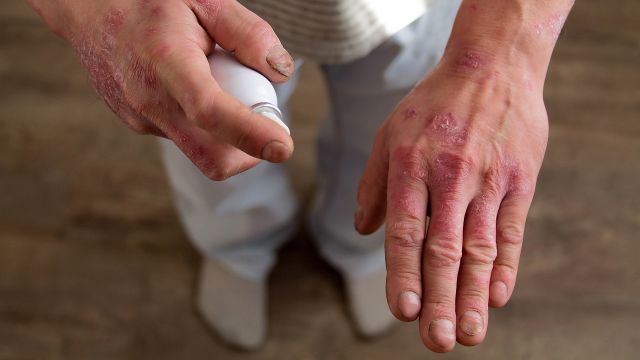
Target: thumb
<point>372,191</point>
<point>251,39</point>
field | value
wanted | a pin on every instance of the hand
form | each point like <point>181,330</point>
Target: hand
<point>465,146</point>
<point>148,60</point>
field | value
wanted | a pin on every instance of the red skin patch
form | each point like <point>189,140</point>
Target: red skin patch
<point>157,11</point>
<point>412,163</point>
<point>551,26</point>
<point>107,78</point>
<point>518,183</point>
<point>195,151</point>
<point>413,172</point>
<point>484,208</point>
<point>113,21</point>
<point>452,130</point>
<point>405,201</point>
<point>98,63</point>
<point>153,8</point>
<point>449,172</point>
<point>410,113</point>
<point>470,60</point>
<point>100,69</point>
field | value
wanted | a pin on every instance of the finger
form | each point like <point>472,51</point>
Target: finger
<point>406,214</point>
<point>250,132</point>
<point>244,33</point>
<point>479,252</point>
<point>185,73</point>
<point>448,198</point>
<point>510,233</point>
<point>372,191</point>
<point>215,159</point>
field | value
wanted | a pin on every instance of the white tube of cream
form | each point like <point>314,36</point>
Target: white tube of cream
<point>245,84</point>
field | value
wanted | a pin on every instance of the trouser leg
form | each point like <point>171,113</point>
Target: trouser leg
<point>362,93</point>
<point>241,221</point>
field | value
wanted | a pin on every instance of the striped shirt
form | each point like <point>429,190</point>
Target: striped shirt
<point>336,31</point>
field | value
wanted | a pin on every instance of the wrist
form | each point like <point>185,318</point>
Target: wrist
<point>482,63</point>
<point>505,38</point>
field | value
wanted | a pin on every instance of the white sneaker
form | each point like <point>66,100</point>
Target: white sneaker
<point>368,303</point>
<point>233,306</point>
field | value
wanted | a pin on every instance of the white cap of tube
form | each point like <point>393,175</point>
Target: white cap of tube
<point>245,84</point>
<point>272,112</point>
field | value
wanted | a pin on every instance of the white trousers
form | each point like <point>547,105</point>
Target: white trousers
<point>241,221</point>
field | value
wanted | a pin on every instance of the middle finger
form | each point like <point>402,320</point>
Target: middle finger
<point>450,194</point>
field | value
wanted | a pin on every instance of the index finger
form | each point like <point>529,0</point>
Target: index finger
<point>246,35</point>
<point>405,231</point>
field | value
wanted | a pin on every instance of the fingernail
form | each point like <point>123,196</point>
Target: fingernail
<point>498,291</point>
<point>358,217</point>
<point>472,323</point>
<point>409,304</point>
<point>275,151</point>
<point>442,332</point>
<point>280,60</point>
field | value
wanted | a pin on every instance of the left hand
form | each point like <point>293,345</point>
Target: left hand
<point>465,146</point>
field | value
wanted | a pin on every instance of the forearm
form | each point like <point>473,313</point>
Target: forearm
<point>493,35</point>
<point>63,16</point>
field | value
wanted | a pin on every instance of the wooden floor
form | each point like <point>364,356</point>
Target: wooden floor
<point>94,265</point>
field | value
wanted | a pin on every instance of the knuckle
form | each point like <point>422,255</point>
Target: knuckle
<point>444,251</point>
<point>406,234</point>
<point>411,162</point>
<point>259,28</point>
<point>480,251</point>
<point>511,234</point>
<point>450,172</point>
<point>493,183</point>
<point>522,188</point>
<point>454,165</point>
<point>522,182</point>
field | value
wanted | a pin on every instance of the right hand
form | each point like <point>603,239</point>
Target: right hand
<point>148,61</point>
